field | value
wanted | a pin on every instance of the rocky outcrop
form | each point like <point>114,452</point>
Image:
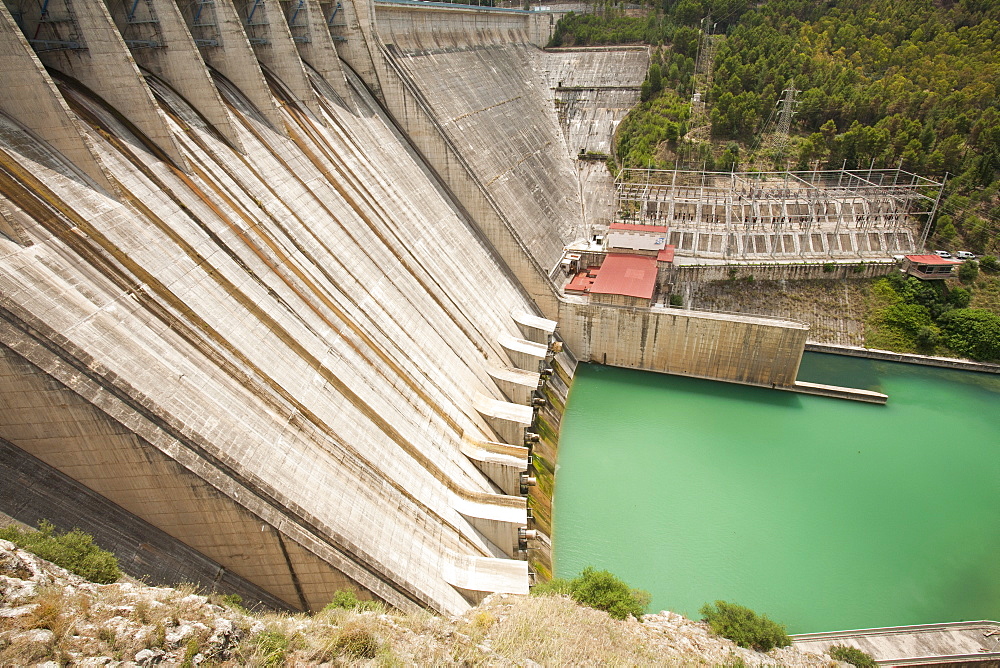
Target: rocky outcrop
<point>49,616</point>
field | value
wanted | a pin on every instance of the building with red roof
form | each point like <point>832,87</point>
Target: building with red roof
<point>625,280</point>
<point>928,267</point>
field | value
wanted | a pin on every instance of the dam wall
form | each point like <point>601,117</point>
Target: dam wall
<point>594,88</point>
<point>267,341</point>
<point>473,102</point>
<point>741,349</point>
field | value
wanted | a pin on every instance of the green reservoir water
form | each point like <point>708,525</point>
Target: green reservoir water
<point>822,513</point>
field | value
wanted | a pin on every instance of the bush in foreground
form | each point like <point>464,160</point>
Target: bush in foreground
<point>346,599</point>
<point>744,626</point>
<point>852,655</point>
<point>75,551</point>
<point>601,590</point>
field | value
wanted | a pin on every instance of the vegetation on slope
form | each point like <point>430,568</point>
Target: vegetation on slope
<point>909,315</point>
<point>74,550</point>
<point>600,590</point>
<point>47,614</point>
<point>853,656</point>
<point>744,626</point>
<point>881,83</point>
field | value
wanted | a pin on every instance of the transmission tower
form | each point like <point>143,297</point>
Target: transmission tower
<point>774,138</point>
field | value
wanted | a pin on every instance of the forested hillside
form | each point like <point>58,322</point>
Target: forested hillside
<point>881,82</point>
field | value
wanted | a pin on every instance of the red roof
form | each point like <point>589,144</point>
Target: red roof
<point>581,283</point>
<point>639,228</point>
<point>930,259</point>
<point>666,254</point>
<point>626,274</point>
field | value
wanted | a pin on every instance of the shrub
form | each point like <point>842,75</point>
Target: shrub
<point>553,586</point>
<point>271,648</point>
<point>676,300</point>
<point>973,333</point>
<point>829,267</point>
<point>604,591</point>
<point>346,599</point>
<point>357,642</point>
<point>744,626</point>
<point>989,263</point>
<point>852,655</point>
<point>191,650</point>
<point>75,551</point>
<point>968,271</point>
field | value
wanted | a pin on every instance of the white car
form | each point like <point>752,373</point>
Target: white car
<point>965,255</point>
<point>942,253</point>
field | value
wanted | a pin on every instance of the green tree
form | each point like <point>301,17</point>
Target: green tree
<point>655,79</point>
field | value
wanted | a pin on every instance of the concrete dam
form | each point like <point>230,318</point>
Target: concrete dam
<point>276,286</point>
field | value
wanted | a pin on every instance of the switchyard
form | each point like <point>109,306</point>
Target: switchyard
<point>791,215</point>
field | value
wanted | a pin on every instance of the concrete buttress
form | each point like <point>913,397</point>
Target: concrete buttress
<point>31,98</point>
<point>269,36</point>
<point>101,61</point>
<point>224,45</point>
<point>160,41</point>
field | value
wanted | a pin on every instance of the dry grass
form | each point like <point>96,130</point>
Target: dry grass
<point>553,630</point>
<point>986,292</point>
<point>77,621</point>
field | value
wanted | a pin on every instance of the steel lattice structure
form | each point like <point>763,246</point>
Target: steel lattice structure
<point>848,212</point>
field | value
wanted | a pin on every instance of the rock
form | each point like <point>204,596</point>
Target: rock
<point>180,634</point>
<point>148,657</point>
<point>39,636</point>
<point>19,611</point>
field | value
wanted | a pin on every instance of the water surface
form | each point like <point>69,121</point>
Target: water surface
<point>824,514</point>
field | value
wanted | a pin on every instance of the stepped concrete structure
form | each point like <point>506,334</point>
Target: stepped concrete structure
<point>275,285</point>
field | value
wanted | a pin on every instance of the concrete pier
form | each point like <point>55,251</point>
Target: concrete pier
<point>32,99</point>
<point>159,41</point>
<point>838,392</point>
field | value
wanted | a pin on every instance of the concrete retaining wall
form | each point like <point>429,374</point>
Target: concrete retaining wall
<point>35,491</point>
<point>754,351</point>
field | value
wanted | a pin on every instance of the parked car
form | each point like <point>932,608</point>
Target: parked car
<point>965,255</point>
<point>942,253</point>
